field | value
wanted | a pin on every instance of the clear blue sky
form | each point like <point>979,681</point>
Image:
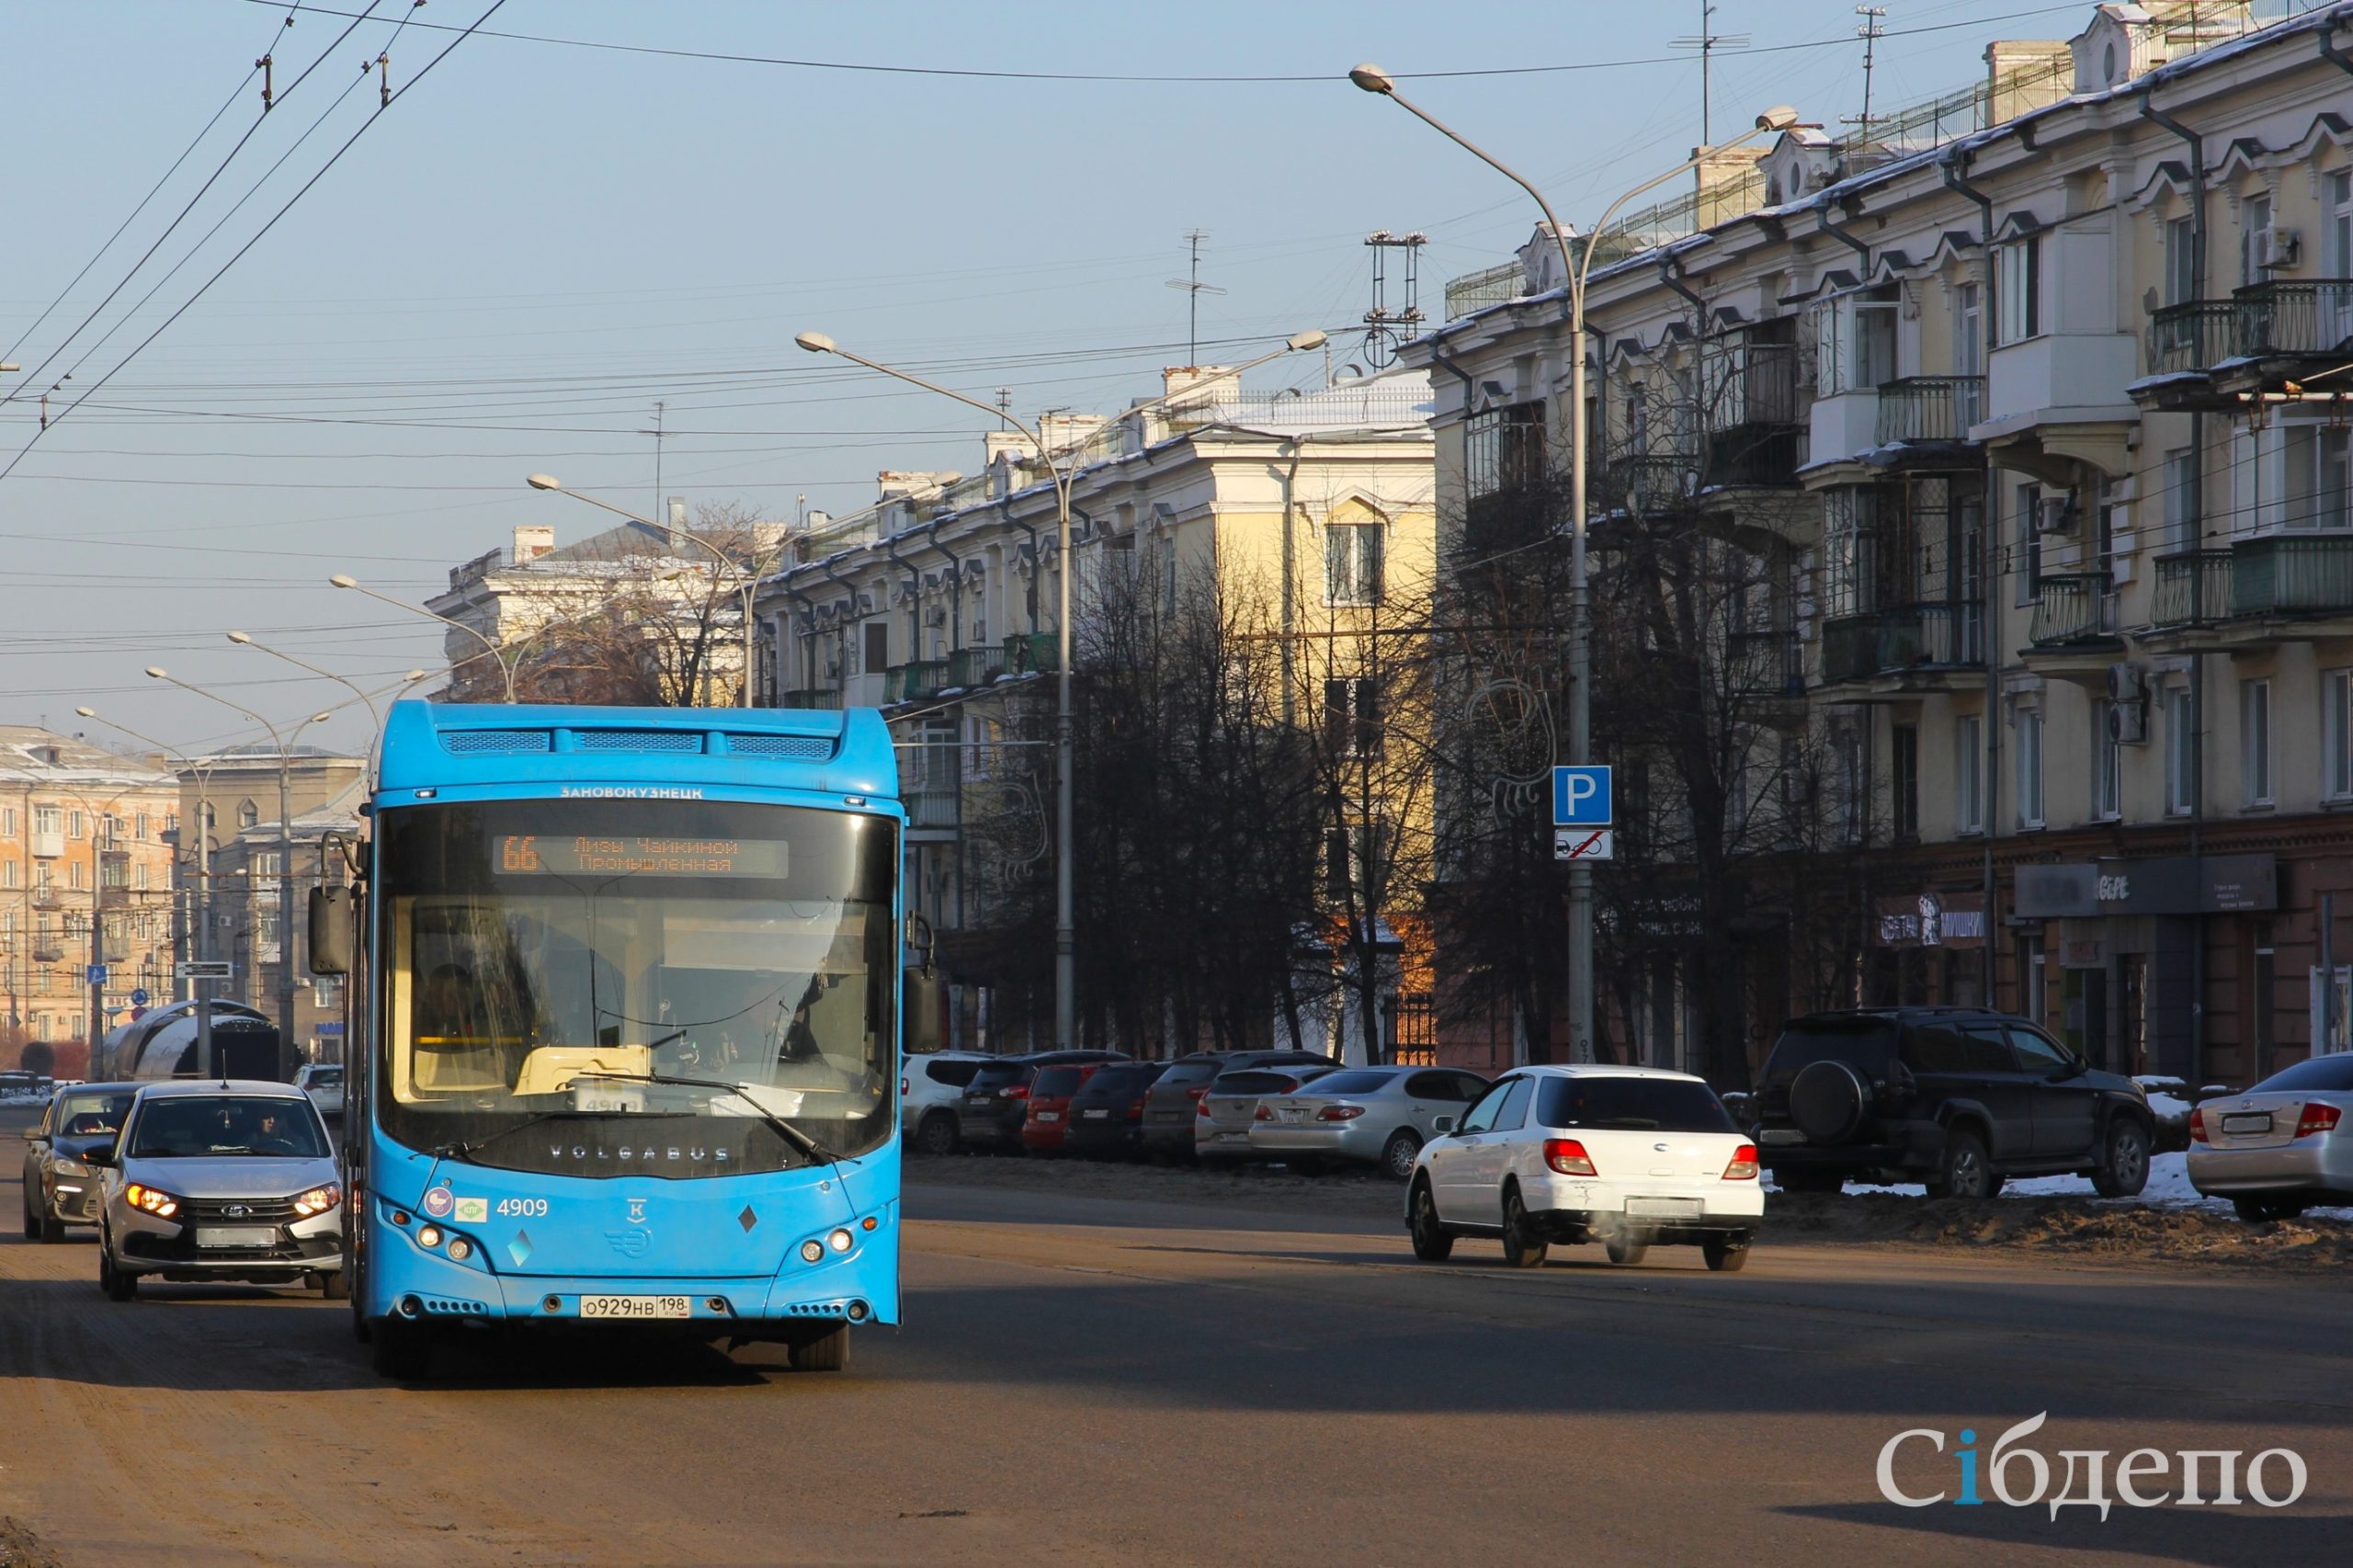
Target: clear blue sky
<point>529,250</point>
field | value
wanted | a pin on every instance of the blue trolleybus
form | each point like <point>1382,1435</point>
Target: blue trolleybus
<point>624,1003</point>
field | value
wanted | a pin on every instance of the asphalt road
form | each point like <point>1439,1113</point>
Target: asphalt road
<point>1088,1381</point>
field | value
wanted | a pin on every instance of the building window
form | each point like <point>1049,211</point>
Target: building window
<point>2181,755</point>
<point>1854,782</point>
<point>2336,734</point>
<point>1968,331</point>
<point>1904,780</point>
<point>2029,498</point>
<point>48,819</point>
<point>2181,511</point>
<point>2255,743</point>
<point>1352,563</point>
<point>2319,487</point>
<point>2254,219</point>
<point>1503,450</point>
<point>2181,261</point>
<point>1849,515</point>
<point>12,874</point>
<point>2107,763</point>
<point>248,815</point>
<point>2018,289</point>
<point>2029,724</point>
<point>1352,717</point>
<point>77,825</point>
<point>877,635</point>
<point>1969,773</point>
<point>7,822</point>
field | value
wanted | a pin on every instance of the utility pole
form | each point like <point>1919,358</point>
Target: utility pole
<point>1870,32</point>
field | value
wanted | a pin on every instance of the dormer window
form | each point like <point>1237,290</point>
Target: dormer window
<point>2108,62</point>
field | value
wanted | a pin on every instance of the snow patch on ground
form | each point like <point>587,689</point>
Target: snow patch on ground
<point>2169,1188</point>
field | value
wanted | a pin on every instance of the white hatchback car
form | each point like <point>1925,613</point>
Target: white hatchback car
<point>1627,1156</point>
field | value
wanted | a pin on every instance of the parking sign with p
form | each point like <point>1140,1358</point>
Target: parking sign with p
<point>1581,797</point>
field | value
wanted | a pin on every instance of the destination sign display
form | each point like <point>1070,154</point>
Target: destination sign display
<point>615,854</point>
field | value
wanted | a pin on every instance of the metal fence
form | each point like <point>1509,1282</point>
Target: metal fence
<point>1929,408</point>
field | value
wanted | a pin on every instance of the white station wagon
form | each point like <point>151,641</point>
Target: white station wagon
<point>1631,1158</point>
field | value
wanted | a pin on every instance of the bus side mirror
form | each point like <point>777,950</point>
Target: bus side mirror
<point>330,931</point>
<point>920,1003</point>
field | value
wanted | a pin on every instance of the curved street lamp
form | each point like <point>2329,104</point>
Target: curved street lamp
<point>497,653</point>
<point>1574,271</point>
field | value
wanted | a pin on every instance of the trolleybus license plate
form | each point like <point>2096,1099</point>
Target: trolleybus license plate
<point>634,1307</point>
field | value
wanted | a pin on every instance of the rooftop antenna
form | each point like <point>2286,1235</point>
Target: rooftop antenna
<point>1004,407</point>
<point>1870,32</point>
<point>1707,41</point>
<point>1194,288</point>
<point>656,433</point>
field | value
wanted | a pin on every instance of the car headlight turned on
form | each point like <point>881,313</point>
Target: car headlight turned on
<point>840,1241</point>
<point>149,1200</point>
<point>318,1200</point>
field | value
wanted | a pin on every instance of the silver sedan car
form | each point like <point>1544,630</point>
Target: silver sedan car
<point>1381,1116</point>
<point>220,1180</point>
<point>2282,1146</point>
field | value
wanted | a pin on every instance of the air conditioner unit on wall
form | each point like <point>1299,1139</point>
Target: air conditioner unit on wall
<point>2126,683</point>
<point>2128,723</point>
<point>2274,248</point>
<point>2054,515</point>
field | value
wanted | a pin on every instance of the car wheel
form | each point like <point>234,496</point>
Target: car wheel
<point>2263,1210</point>
<point>52,1229</point>
<point>1433,1242</point>
<point>334,1286</point>
<point>33,1225</point>
<point>117,1285</point>
<point>1626,1248</point>
<point>936,1135</point>
<point>400,1350</point>
<point>1724,1255</point>
<point>828,1352</point>
<point>1397,1156</point>
<point>1810,1181</point>
<point>2125,1170</point>
<point>1963,1171</point>
<point>1523,1248</point>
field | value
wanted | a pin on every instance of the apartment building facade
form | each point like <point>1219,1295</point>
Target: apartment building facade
<point>2023,413</point>
<point>1310,513</point>
<point>84,847</point>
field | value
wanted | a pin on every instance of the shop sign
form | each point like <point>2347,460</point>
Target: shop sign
<point>2180,884</point>
<point>1931,920</point>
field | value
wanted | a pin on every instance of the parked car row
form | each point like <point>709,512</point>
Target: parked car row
<point>189,1180</point>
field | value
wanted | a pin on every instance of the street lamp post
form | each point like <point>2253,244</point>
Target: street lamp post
<point>497,653</point>
<point>285,852</point>
<point>1063,473</point>
<point>244,640</point>
<point>1574,270</point>
<point>202,909</point>
<point>747,581</point>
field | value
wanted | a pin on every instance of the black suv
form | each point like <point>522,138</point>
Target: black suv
<point>1957,1097</point>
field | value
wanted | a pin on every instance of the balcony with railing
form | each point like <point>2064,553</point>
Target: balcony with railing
<point>919,680</point>
<point>1028,653</point>
<point>1647,482</point>
<point>934,805</point>
<point>2262,334</point>
<point>2193,588</point>
<point>1763,665</point>
<point>1924,410</point>
<point>1507,520</point>
<point>2072,608</point>
<point>1755,417</point>
<point>2293,574</point>
<point>969,668</point>
<point>1903,640</point>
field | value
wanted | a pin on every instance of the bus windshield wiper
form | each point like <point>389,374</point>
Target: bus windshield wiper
<point>807,1146</point>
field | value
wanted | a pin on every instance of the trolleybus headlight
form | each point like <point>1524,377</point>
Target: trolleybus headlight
<point>428,1236</point>
<point>318,1200</point>
<point>811,1250</point>
<point>461,1249</point>
<point>147,1200</point>
<point>839,1241</point>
